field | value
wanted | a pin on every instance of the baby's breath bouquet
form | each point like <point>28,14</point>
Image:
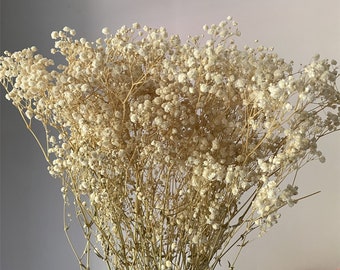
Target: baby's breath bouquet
<point>172,152</point>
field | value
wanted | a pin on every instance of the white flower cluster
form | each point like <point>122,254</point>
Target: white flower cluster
<point>269,199</point>
<point>170,149</point>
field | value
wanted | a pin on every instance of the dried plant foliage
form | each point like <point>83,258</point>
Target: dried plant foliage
<point>172,152</point>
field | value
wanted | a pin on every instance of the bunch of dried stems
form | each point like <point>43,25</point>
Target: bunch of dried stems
<point>172,152</point>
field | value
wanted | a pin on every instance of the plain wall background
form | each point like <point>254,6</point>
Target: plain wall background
<point>32,238</point>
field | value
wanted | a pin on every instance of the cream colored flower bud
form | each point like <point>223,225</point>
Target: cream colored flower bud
<point>168,264</point>
<point>29,114</point>
<point>106,31</point>
<point>195,239</point>
<point>72,32</point>
<point>54,35</point>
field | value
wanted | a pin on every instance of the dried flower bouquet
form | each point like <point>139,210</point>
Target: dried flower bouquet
<point>172,152</point>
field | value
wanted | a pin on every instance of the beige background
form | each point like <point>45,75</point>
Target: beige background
<point>307,236</point>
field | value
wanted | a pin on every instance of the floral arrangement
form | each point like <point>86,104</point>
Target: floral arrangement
<point>172,153</point>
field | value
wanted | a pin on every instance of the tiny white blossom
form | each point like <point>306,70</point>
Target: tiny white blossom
<point>54,35</point>
<point>29,114</point>
<point>106,31</point>
<point>168,264</point>
<point>204,88</point>
<point>182,77</point>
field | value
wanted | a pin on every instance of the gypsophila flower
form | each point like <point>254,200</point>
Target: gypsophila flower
<point>106,31</point>
<point>170,150</point>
